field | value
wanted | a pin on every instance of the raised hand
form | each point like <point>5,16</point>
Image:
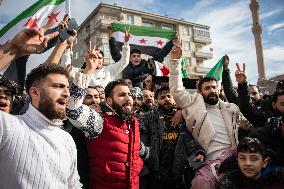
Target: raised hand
<point>177,118</point>
<point>31,40</point>
<point>176,37</point>
<point>110,31</point>
<point>176,52</point>
<point>240,74</point>
<point>63,24</point>
<point>127,35</point>
<point>226,61</point>
<point>91,58</point>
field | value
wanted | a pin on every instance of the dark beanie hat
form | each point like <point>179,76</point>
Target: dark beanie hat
<point>135,51</point>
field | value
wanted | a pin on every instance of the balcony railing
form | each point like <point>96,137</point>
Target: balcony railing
<point>203,55</point>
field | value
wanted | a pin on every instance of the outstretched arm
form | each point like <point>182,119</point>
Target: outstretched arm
<point>116,69</point>
<point>80,115</point>
<point>230,92</point>
<point>114,49</point>
<point>161,54</point>
<point>28,41</point>
<point>182,97</point>
<point>253,115</point>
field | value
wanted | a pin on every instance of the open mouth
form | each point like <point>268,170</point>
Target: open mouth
<point>61,102</point>
<point>3,105</point>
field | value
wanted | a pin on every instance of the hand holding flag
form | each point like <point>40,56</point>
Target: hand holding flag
<point>177,51</point>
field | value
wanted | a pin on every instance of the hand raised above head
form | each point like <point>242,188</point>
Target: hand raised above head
<point>127,35</point>
<point>32,40</point>
<point>176,52</point>
<point>240,74</point>
<point>110,30</point>
<point>226,61</point>
<point>91,58</point>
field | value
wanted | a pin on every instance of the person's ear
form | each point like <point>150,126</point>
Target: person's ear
<point>274,105</point>
<point>34,92</point>
<point>265,162</point>
<point>109,100</point>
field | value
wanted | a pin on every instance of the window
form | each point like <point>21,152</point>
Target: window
<point>148,23</point>
<point>106,50</point>
<point>185,30</point>
<point>186,45</point>
<point>166,27</point>
<point>188,61</point>
<point>201,32</point>
<point>87,29</point>
<point>130,19</point>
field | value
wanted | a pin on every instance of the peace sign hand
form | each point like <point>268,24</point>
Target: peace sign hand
<point>127,35</point>
<point>177,51</point>
<point>240,74</point>
<point>32,40</point>
<point>91,58</point>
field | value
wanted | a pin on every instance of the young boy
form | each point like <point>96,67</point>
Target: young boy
<point>252,159</point>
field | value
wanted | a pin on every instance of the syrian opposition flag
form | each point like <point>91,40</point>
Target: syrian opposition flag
<point>39,14</point>
<point>217,71</point>
<point>147,39</point>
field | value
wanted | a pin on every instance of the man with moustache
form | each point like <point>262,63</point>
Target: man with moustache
<point>170,145</point>
<point>92,98</point>
<point>114,160</point>
<point>212,122</point>
<point>148,101</point>
<point>33,145</point>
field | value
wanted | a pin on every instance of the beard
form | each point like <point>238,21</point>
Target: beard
<point>168,109</point>
<point>124,113</point>
<point>137,107</point>
<point>211,99</point>
<point>47,107</point>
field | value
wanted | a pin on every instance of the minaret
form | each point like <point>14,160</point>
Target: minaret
<point>257,31</point>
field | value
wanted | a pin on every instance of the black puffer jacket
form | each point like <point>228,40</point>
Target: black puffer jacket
<point>270,136</point>
<point>236,180</point>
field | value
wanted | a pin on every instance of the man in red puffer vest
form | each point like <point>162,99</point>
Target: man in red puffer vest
<point>113,135</point>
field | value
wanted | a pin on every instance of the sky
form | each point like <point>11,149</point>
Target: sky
<point>229,20</point>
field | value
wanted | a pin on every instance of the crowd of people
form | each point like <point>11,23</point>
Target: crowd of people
<point>114,127</point>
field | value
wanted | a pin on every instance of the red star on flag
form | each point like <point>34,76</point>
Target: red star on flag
<point>53,16</point>
<point>160,42</point>
<point>143,40</point>
<point>32,23</point>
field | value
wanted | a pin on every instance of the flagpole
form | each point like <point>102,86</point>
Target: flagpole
<point>68,8</point>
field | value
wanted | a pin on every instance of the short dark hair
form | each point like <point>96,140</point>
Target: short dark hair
<point>111,85</point>
<point>161,90</point>
<point>135,51</point>
<point>42,71</point>
<point>251,145</point>
<point>203,80</point>
<point>277,94</point>
<point>252,85</point>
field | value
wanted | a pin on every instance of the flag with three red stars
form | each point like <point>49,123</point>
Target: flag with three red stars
<point>37,15</point>
<point>147,39</point>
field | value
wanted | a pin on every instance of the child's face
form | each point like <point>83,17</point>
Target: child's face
<point>251,164</point>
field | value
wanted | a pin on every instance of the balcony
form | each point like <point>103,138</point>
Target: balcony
<point>103,23</point>
<point>203,55</point>
<point>201,39</point>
